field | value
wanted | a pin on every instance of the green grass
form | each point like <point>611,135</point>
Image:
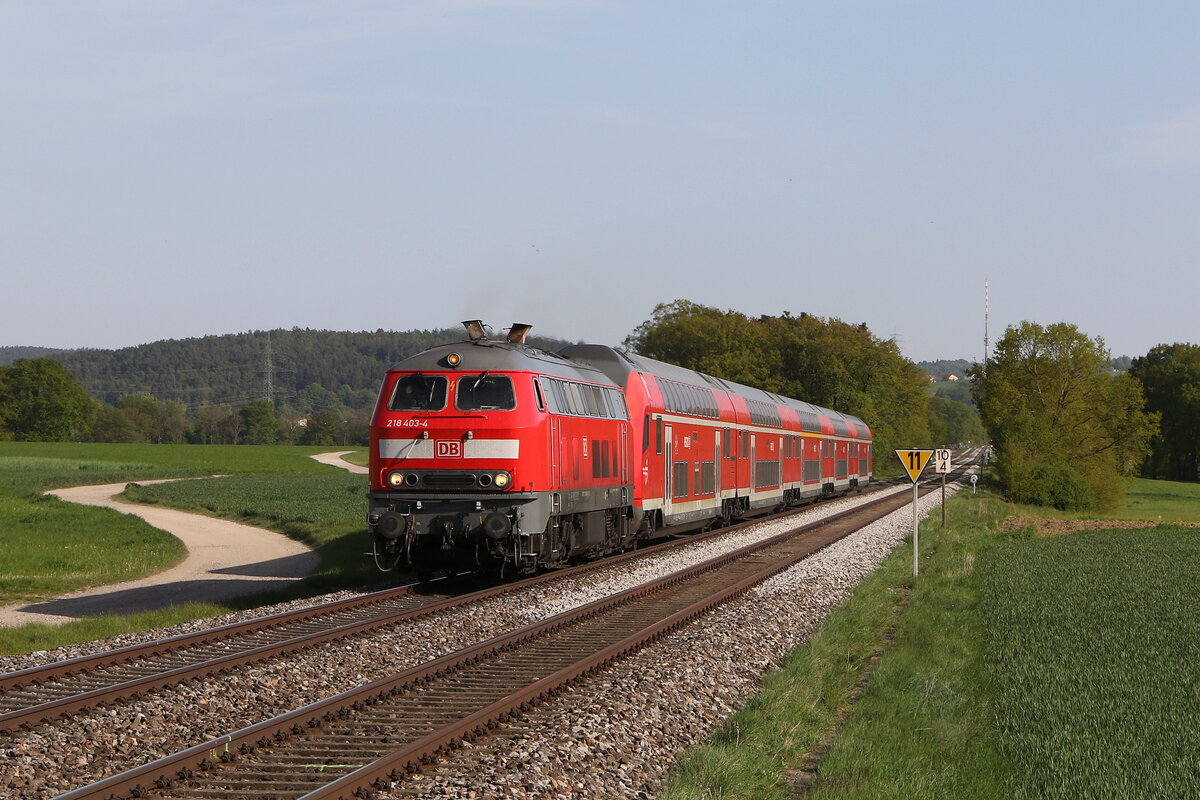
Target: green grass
<point>51,547</point>
<point>920,710</point>
<point>1022,667</point>
<point>1160,501</point>
<point>360,457</point>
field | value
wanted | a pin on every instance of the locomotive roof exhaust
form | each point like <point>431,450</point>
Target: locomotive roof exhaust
<point>518,332</point>
<point>475,329</point>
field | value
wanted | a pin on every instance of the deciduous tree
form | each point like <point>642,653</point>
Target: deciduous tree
<point>824,361</point>
<point>1066,432</point>
<point>41,401</point>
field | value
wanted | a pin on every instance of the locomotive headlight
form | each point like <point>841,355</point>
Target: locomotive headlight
<point>502,480</point>
<point>454,359</point>
<point>395,479</point>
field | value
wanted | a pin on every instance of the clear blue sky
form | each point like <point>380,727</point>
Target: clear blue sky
<point>177,169</point>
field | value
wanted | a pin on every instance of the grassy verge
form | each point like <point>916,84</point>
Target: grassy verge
<point>1022,666</point>
<point>934,659</point>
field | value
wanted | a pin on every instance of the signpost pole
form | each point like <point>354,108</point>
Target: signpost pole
<point>943,500</point>
<point>916,567</point>
<point>914,461</point>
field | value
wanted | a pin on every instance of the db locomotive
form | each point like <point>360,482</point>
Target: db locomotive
<point>494,456</point>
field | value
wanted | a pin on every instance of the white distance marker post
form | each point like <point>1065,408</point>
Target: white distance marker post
<point>914,461</point>
<point>941,465</point>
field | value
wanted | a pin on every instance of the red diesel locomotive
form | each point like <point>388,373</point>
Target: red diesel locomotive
<point>495,456</point>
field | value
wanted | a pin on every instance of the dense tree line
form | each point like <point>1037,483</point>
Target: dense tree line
<point>1170,377</point>
<point>1066,430</point>
<point>824,361</point>
<point>10,354</point>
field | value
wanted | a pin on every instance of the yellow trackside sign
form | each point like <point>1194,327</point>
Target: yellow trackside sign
<point>914,461</point>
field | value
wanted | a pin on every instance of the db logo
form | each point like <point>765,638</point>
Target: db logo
<point>447,448</point>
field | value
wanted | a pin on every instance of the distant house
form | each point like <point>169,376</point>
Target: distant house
<point>952,377</point>
<point>932,378</point>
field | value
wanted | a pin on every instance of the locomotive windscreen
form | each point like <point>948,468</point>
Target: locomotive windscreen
<point>485,393</point>
<point>419,392</point>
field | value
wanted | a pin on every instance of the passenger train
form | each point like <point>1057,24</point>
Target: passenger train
<point>495,456</point>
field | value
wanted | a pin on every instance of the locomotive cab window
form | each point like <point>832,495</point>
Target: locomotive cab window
<point>485,392</point>
<point>419,392</point>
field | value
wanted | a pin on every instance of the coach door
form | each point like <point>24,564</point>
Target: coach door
<point>779,472</point>
<point>717,466</point>
<point>753,467</point>
<point>668,471</point>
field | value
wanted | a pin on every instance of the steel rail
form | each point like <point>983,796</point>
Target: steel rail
<point>181,766</point>
<point>123,688</point>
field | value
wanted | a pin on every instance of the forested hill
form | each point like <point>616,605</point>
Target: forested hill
<point>10,354</point>
<point>941,369</point>
<point>232,369</point>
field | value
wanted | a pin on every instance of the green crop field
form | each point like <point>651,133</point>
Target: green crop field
<point>1093,642</point>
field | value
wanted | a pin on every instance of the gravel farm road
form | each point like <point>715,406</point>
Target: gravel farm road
<point>225,559</point>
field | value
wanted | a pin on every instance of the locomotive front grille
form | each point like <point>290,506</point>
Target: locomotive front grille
<point>450,480</point>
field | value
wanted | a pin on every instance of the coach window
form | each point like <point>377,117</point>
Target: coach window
<point>725,444</point>
<point>485,392</point>
<point>419,392</point>
<point>658,436</point>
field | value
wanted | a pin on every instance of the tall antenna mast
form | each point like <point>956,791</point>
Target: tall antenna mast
<point>270,371</point>
<point>986,340</point>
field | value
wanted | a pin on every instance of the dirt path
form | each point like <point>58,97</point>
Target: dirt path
<point>225,559</point>
<point>336,460</point>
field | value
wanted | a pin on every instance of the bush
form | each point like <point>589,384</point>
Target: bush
<point>1061,487</point>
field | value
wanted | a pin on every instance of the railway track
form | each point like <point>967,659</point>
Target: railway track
<point>381,731</point>
<point>53,691</point>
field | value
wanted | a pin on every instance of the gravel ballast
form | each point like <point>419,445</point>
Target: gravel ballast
<point>619,735</point>
<point>615,736</point>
